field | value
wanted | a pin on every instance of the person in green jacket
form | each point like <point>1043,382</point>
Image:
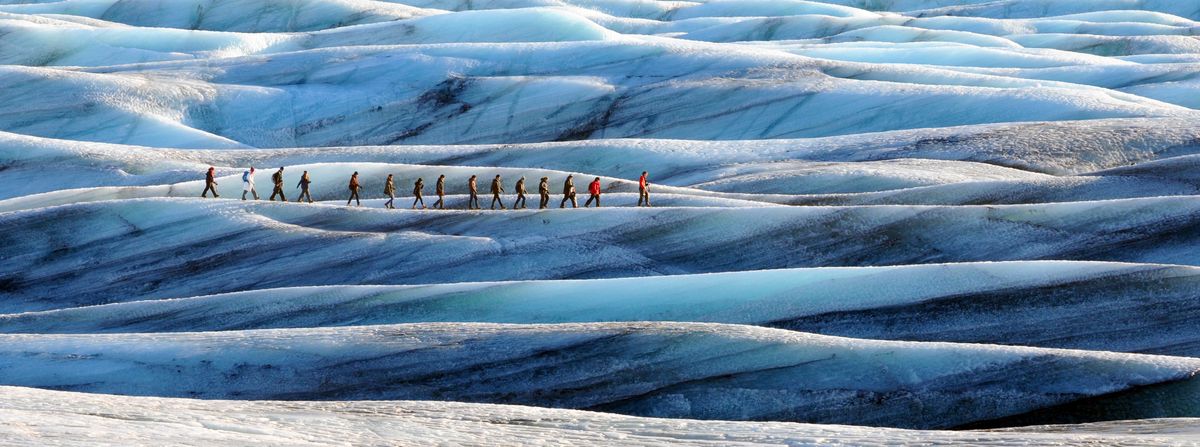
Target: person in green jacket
<point>569,193</point>
<point>389,190</point>
<point>418,188</point>
<point>440,190</point>
<point>520,189</point>
<point>354,187</point>
<point>277,178</point>
<point>303,185</point>
<point>544,191</point>
<point>497,188</point>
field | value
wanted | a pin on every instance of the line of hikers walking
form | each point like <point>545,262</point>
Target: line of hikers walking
<point>389,190</point>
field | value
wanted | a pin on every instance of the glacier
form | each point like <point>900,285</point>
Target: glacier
<point>899,222</point>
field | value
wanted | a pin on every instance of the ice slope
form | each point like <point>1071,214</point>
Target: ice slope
<point>682,370</point>
<point>36,417</point>
<point>38,41</point>
<point>164,248</point>
<point>60,40</point>
<point>891,182</point>
<point>292,15</point>
<point>1171,176</point>
<point>1112,45</point>
<point>1028,8</point>
<point>951,55</point>
<point>512,93</point>
<point>1047,304</point>
<point>224,15</point>
<point>713,21</point>
<point>829,164</point>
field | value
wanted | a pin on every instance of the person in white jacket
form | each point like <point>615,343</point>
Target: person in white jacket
<point>248,184</point>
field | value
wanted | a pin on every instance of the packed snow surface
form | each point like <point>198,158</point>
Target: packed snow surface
<point>30,417</point>
<point>901,213</point>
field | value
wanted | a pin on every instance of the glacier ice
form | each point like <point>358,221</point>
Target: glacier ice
<point>238,15</point>
<point>682,370</point>
<point>1047,304</point>
<point>168,248</point>
<point>453,94</point>
<point>907,213</point>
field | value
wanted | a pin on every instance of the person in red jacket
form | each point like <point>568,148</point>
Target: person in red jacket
<point>210,183</point>
<point>594,190</point>
<point>643,190</point>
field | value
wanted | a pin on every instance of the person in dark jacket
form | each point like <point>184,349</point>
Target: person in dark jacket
<point>389,190</point>
<point>643,190</point>
<point>569,193</point>
<point>303,185</point>
<point>210,183</point>
<point>441,193</point>
<point>544,191</point>
<point>354,187</point>
<point>520,189</point>
<point>497,188</point>
<point>594,192</point>
<point>277,178</point>
<point>473,199</point>
<point>418,188</point>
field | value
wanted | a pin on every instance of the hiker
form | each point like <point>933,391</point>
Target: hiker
<point>569,193</point>
<point>544,191</point>
<point>497,188</point>
<point>520,188</point>
<point>210,183</point>
<point>441,193</point>
<point>594,191</point>
<point>354,187</point>
<point>473,200</point>
<point>643,190</point>
<point>389,189</point>
<point>418,187</point>
<point>303,185</point>
<point>277,178</point>
<point>248,184</point>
